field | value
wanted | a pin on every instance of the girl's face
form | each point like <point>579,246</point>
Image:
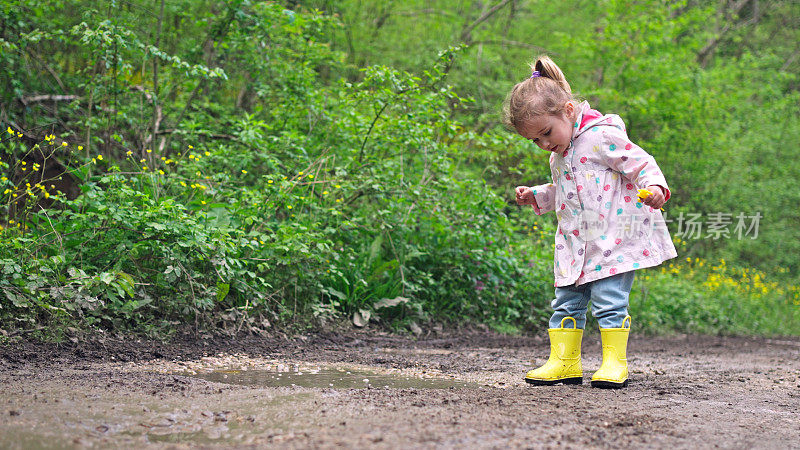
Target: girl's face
<point>549,132</point>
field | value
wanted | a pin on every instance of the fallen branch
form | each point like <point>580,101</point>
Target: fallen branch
<point>48,98</point>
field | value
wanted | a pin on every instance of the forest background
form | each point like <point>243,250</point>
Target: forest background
<point>237,166</point>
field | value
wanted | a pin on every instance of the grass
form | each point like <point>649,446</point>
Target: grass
<point>694,296</point>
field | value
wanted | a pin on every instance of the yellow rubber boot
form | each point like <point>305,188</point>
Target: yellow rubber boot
<point>613,373</point>
<point>564,365</point>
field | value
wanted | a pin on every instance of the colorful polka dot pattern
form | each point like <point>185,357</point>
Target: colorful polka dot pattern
<point>605,161</point>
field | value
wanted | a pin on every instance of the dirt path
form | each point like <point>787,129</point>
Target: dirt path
<point>685,392</point>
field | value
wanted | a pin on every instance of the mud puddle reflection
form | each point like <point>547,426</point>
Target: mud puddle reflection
<point>336,378</point>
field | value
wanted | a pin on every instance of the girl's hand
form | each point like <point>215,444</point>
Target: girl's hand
<point>525,196</point>
<point>656,198</point>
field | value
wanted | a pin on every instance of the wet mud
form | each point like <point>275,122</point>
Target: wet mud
<point>461,390</point>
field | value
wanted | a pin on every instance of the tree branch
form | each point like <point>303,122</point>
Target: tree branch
<point>704,56</point>
<point>791,59</point>
<point>465,33</point>
<point>156,109</point>
<point>47,98</point>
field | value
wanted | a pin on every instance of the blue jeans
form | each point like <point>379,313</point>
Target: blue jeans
<point>609,297</point>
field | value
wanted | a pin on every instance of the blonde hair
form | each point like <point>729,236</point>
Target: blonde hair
<point>545,94</point>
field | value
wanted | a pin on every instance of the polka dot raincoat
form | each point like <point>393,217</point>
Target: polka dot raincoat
<point>603,228</point>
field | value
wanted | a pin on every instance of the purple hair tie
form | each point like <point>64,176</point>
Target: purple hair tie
<point>535,74</point>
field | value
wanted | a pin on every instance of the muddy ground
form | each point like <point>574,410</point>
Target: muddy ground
<point>685,392</point>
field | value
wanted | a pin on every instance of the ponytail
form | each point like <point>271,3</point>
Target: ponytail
<point>545,92</point>
<point>548,69</point>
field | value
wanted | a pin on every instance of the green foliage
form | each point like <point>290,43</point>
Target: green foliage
<point>714,299</point>
<point>320,201</point>
<point>234,165</point>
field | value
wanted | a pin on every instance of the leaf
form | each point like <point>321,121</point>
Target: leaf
<point>126,282</point>
<point>361,317</point>
<point>333,292</point>
<point>389,302</point>
<point>157,226</point>
<point>222,291</point>
<point>414,253</point>
<point>107,277</point>
<point>375,249</point>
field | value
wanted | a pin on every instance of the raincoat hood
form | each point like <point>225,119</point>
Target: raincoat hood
<point>588,118</point>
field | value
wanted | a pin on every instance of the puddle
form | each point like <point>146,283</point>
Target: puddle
<point>327,378</point>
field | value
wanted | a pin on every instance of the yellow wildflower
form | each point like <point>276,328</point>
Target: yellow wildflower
<point>311,176</point>
<point>183,184</point>
<point>191,156</point>
<point>100,157</point>
<point>10,131</point>
<point>129,153</point>
<point>289,206</point>
<point>337,186</point>
<point>324,192</point>
<point>203,202</point>
<point>643,194</point>
<point>142,160</point>
<point>80,147</point>
<point>149,151</point>
<point>208,153</point>
<point>301,174</point>
<point>64,144</point>
<point>160,171</point>
<point>244,171</point>
<point>4,179</point>
<point>269,181</point>
<point>24,163</point>
<point>191,147</point>
<point>19,134</point>
<point>144,168</point>
<point>163,158</point>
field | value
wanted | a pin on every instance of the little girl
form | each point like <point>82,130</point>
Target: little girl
<point>606,230</point>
